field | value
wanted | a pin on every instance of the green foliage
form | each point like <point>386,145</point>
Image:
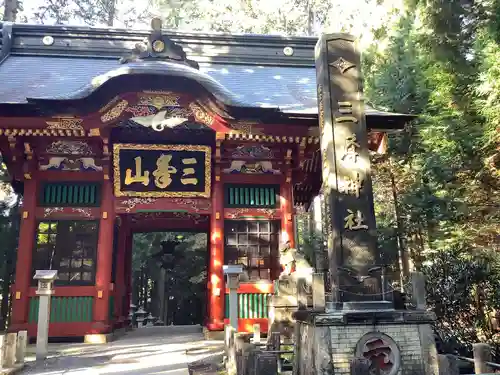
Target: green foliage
<point>441,61</point>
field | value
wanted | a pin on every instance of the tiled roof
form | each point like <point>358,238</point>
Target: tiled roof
<point>252,71</point>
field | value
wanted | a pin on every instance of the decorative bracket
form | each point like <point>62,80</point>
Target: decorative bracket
<point>158,46</point>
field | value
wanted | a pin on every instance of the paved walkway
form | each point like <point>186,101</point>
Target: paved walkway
<point>151,350</point>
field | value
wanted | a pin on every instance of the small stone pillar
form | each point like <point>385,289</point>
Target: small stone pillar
<point>45,290</point>
<point>318,292</point>
<point>2,349</point>
<point>418,290</point>
<point>22,341</point>
<point>301,294</point>
<point>256,333</point>
<point>10,350</point>
<point>230,350</point>
<point>233,273</point>
<point>482,355</point>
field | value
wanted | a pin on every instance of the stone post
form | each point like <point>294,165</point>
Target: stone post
<point>10,350</point>
<point>45,279</point>
<point>347,185</point>
<point>318,292</point>
<point>418,289</point>
<point>266,363</point>
<point>231,366</point>
<point>274,341</point>
<point>233,273</point>
<point>301,294</point>
<point>256,333</point>
<point>482,355</point>
<point>241,342</point>
<point>22,341</point>
<point>2,349</point>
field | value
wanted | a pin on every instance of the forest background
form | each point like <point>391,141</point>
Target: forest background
<point>437,190</point>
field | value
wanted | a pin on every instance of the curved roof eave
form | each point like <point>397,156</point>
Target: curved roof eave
<point>161,68</point>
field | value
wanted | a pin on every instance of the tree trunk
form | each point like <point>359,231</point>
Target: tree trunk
<point>403,252</point>
<point>10,10</point>
<point>111,12</point>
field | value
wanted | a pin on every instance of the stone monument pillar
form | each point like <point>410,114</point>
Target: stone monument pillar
<point>359,327</point>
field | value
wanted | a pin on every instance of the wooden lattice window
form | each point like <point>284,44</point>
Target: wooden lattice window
<point>258,196</point>
<point>76,194</point>
<point>69,247</point>
<point>253,244</point>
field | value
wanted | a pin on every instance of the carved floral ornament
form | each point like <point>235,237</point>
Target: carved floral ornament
<point>382,353</point>
<point>69,147</point>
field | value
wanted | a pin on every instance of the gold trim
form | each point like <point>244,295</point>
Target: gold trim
<point>110,104</point>
<point>115,112</point>
<point>155,194</point>
<point>25,214</point>
<point>65,124</point>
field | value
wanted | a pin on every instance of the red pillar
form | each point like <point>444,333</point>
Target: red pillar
<point>120,288</point>
<point>128,273</point>
<point>216,287</point>
<point>286,206</point>
<point>20,301</point>
<point>104,260</point>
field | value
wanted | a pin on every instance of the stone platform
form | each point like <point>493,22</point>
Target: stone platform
<point>396,342</point>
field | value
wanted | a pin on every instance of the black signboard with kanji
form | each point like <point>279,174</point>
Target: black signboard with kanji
<point>162,170</point>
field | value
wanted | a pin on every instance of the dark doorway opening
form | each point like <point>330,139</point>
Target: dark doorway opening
<point>169,278</point>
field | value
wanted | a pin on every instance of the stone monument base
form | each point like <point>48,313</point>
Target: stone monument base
<point>396,342</point>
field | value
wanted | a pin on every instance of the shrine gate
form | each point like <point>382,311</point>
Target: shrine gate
<point>107,132</point>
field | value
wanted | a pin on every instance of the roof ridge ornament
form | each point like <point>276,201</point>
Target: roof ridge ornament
<point>158,47</point>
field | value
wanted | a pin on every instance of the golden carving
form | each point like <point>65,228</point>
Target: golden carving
<point>200,115</point>
<point>132,202</point>
<point>354,221</point>
<point>246,127</point>
<point>116,169</point>
<point>65,123</point>
<point>139,176</point>
<point>351,152</point>
<point>351,185</point>
<point>342,65</point>
<point>104,215</point>
<point>163,171</point>
<point>159,99</point>
<point>115,112</point>
<point>96,132</point>
<point>25,214</point>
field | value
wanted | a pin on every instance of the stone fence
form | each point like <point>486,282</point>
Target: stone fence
<point>13,349</point>
<point>246,355</point>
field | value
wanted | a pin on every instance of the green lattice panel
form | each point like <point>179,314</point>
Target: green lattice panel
<point>79,194</point>
<point>250,305</point>
<point>64,309</point>
<point>249,196</point>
